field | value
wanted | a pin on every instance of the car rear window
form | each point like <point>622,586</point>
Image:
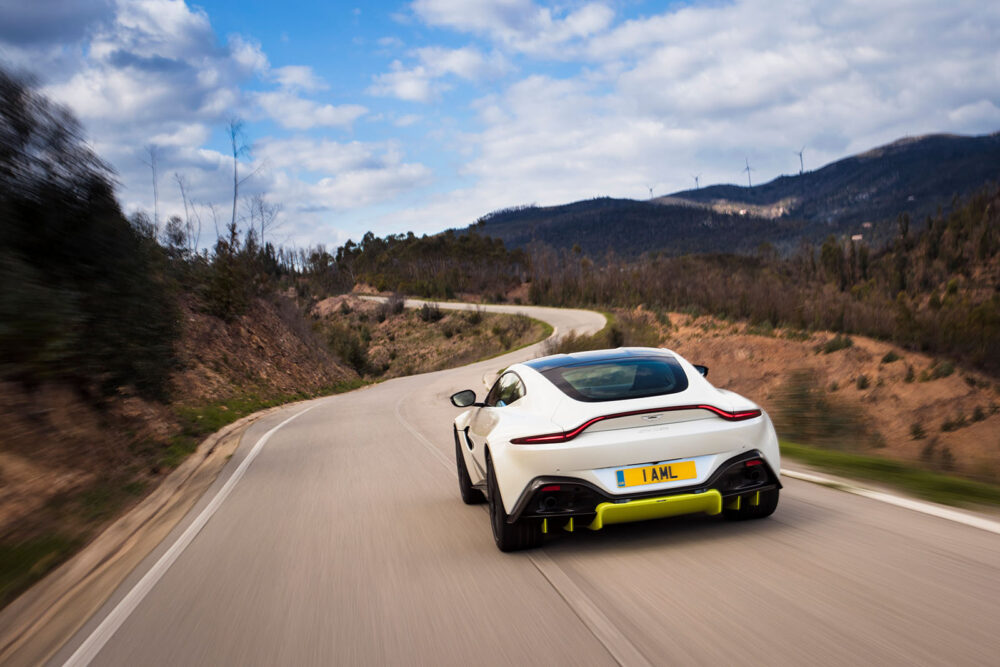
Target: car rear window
<point>617,379</point>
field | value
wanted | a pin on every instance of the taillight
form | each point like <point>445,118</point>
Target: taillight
<point>565,436</point>
<point>754,462</point>
<point>551,487</point>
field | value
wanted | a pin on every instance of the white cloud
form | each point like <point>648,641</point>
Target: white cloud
<point>298,77</point>
<point>298,113</point>
<point>390,42</point>
<point>348,175</point>
<point>407,120</point>
<point>698,90</point>
<point>413,85</point>
<point>983,113</point>
<point>422,82</point>
<point>521,25</point>
<point>467,63</point>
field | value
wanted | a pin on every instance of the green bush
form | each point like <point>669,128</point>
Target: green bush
<point>430,312</point>
<point>349,345</point>
<point>836,344</point>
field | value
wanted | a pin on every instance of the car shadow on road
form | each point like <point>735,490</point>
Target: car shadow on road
<point>684,531</point>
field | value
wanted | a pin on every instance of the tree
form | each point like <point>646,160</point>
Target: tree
<point>263,214</point>
<point>152,153</point>
<point>83,300</point>
<point>238,142</point>
<point>192,232</point>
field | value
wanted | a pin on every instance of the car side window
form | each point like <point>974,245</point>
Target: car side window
<point>494,395</point>
<point>507,389</point>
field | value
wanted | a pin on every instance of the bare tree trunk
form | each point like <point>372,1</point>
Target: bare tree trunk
<point>235,129</point>
<point>152,152</point>
<point>193,238</point>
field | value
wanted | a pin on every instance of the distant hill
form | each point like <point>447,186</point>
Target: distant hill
<point>628,227</point>
<point>913,175</point>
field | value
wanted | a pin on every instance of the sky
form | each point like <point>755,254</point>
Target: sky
<point>426,115</point>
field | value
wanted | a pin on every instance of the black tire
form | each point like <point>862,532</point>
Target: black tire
<point>768,503</point>
<point>470,494</point>
<point>522,534</point>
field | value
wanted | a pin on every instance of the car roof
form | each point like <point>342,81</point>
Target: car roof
<point>558,360</point>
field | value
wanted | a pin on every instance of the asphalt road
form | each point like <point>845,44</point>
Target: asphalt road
<point>345,542</point>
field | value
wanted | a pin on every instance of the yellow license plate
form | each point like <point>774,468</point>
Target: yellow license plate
<point>664,472</point>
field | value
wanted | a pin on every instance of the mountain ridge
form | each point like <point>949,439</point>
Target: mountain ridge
<point>860,194</point>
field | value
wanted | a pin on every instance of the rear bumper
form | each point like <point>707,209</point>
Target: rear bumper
<point>578,498</point>
<point>709,502</point>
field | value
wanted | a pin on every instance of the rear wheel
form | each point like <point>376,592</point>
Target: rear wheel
<point>470,494</point>
<point>522,534</point>
<point>765,507</point>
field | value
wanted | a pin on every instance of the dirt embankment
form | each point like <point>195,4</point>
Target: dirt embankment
<point>383,341</point>
<point>68,465</point>
<point>913,406</point>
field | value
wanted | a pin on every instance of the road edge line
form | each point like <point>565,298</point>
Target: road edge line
<point>921,506</point>
<point>93,644</point>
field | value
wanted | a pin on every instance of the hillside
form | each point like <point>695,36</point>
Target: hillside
<point>913,175</point>
<point>852,394</point>
<point>629,228</point>
<point>917,176</point>
<point>70,464</point>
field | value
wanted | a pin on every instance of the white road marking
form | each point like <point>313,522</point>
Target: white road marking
<point>907,503</point>
<point>606,632</point>
<point>618,645</point>
<point>89,649</point>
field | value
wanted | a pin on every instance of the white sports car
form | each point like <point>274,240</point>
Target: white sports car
<point>610,436</point>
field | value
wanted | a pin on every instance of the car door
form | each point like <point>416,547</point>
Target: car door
<point>506,391</point>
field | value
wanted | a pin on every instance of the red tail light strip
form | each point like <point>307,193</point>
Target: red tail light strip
<point>566,436</point>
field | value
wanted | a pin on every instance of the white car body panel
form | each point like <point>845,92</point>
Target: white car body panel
<point>600,450</point>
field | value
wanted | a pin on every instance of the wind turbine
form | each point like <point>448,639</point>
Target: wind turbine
<point>802,166</point>
<point>696,185</point>
<point>748,170</point>
<point>650,191</point>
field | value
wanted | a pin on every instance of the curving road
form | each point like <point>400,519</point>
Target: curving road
<point>340,539</point>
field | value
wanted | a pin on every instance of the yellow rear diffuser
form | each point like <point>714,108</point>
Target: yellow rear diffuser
<point>709,502</point>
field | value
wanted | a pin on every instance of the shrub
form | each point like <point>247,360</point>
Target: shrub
<point>349,346</point>
<point>805,414</point>
<point>430,312</point>
<point>836,344</point>
<point>947,461</point>
<point>909,374</point>
<point>942,369</point>
<point>978,414</point>
<point>890,357</point>
<point>474,316</point>
<point>917,431</point>
<point>862,381</point>
<point>396,303</point>
<point>954,423</point>
<point>927,451</point>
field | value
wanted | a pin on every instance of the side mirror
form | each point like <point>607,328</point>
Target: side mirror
<point>701,369</point>
<point>463,399</point>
